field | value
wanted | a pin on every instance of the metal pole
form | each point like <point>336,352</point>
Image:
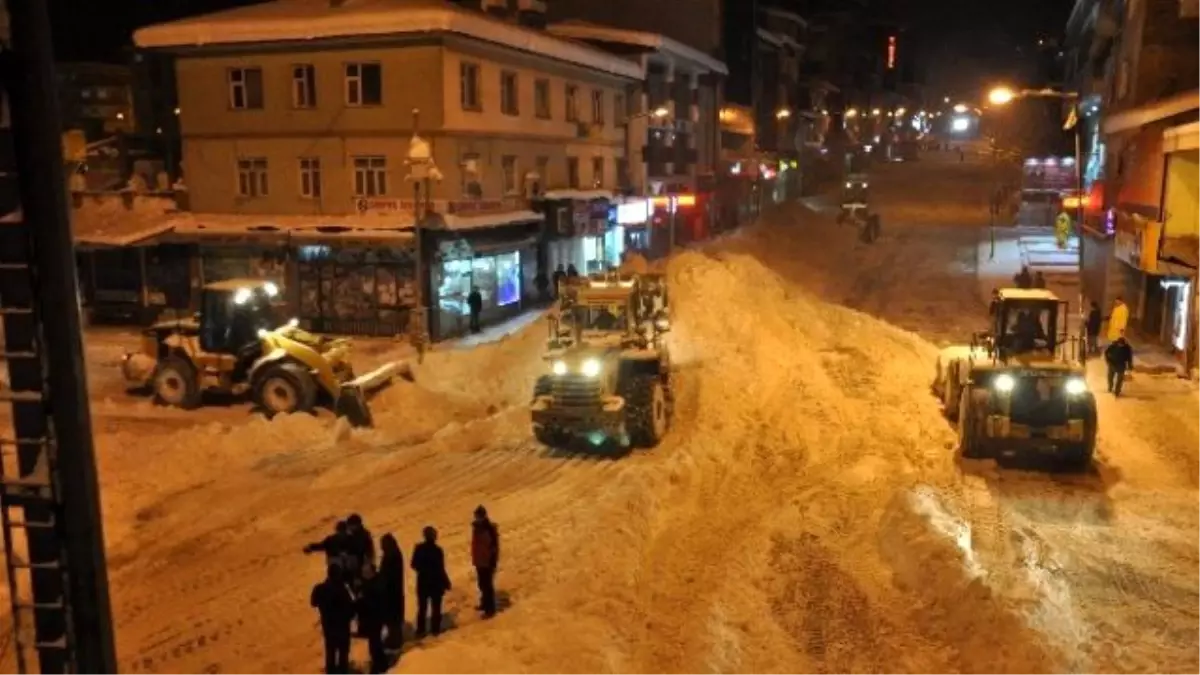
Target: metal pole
<point>38,153</point>
<point>673,202</point>
<point>1079,203</point>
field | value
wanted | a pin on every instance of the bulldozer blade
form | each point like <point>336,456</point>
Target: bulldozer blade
<point>352,404</point>
<point>382,376</point>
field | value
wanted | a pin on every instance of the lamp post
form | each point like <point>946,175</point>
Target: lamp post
<point>658,113</point>
<point>1000,96</point>
<point>422,170</point>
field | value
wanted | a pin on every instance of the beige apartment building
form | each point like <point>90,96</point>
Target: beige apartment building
<point>280,116</point>
<point>300,123</point>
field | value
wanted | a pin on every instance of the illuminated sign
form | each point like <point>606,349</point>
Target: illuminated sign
<point>633,213</point>
<point>891,52</point>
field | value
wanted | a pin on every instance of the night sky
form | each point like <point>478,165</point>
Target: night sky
<point>958,46</point>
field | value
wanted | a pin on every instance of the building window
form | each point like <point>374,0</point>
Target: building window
<point>511,180</point>
<point>622,173</point>
<point>598,107</point>
<point>370,176</point>
<point>572,104</point>
<point>252,177</point>
<point>364,84</point>
<point>468,80</point>
<point>543,171</point>
<point>310,177</point>
<point>472,188</point>
<point>245,88</point>
<point>597,172</point>
<point>619,113</point>
<point>508,92</point>
<point>573,172</point>
<point>541,99</point>
<point>304,86</point>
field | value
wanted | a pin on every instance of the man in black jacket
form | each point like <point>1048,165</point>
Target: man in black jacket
<point>333,546</point>
<point>1095,319</point>
<point>335,603</point>
<point>429,562</point>
<point>475,308</point>
<point>1119,357</point>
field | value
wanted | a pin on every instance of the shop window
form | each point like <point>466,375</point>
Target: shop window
<point>370,176</point>
<point>364,84</point>
<point>508,279</point>
<point>245,88</point>
<point>511,180</point>
<point>619,114</point>
<point>573,172</point>
<point>310,177</point>
<point>541,99</point>
<point>252,177</point>
<point>508,93</point>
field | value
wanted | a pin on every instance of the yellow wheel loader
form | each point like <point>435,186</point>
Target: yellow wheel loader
<point>237,345</point>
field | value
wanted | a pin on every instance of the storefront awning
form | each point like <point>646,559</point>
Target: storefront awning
<point>1182,137</point>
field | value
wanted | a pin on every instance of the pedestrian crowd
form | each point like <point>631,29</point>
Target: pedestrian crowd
<point>367,593</point>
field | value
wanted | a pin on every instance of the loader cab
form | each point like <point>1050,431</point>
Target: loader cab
<point>1026,322</point>
<point>233,312</point>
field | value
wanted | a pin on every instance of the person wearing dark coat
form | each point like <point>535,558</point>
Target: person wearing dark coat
<point>1039,280</point>
<point>475,307</point>
<point>372,607</point>
<point>360,546</point>
<point>485,556</point>
<point>572,273</point>
<point>542,283</point>
<point>391,576</point>
<point>1095,319</point>
<point>559,278</point>
<point>994,305</point>
<point>429,562</point>
<point>1023,279</point>
<point>334,546</point>
<point>334,602</point>
<point>1119,358</point>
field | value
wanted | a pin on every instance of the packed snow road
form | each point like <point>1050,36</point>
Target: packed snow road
<point>807,512</point>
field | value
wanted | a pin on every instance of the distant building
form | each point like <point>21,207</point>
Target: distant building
<point>96,98</point>
<point>297,120</point>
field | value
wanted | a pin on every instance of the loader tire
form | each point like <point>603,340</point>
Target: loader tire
<point>950,393</point>
<point>647,411</point>
<point>1081,458</point>
<point>285,388</point>
<point>970,423</point>
<point>176,383</point>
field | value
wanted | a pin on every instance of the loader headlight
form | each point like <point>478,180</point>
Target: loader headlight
<point>241,296</point>
<point>271,289</point>
<point>590,368</point>
<point>849,185</point>
<point>559,368</point>
<point>1004,383</point>
<point>1076,386</point>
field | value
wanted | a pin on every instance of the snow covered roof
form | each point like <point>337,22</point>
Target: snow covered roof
<point>309,20</point>
<point>582,195</point>
<point>583,30</point>
<point>768,37</point>
<point>486,220</point>
<point>107,220</point>
<point>1027,294</point>
<point>396,225</point>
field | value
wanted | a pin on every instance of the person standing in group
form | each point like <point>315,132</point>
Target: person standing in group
<point>429,562</point>
<point>334,601</point>
<point>485,556</point>
<point>391,576</point>
<point>333,546</point>
<point>372,607</point>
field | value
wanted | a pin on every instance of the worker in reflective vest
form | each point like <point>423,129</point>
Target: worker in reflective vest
<point>1062,229</point>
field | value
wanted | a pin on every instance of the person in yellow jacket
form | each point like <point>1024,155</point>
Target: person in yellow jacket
<point>1118,319</point>
<point>1062,229</point>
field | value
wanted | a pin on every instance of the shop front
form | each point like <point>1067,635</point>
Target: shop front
<point>501,268</point>
<point>355,287</point>
<point>579,234</point>
<point>133,284</point>
<point>631,219</point>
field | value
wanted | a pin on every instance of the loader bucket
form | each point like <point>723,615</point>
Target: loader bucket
<point>352,399</point>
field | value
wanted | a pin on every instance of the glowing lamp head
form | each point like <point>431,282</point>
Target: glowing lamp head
<point>1001,96</point>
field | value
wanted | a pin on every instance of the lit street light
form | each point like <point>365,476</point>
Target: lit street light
<point>1001,96</point>
<point>853,112</point>
<point>875,112</point>
<point>660,112</point>
<point>783,114</point>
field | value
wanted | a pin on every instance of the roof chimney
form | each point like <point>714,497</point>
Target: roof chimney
<point>531,13</point>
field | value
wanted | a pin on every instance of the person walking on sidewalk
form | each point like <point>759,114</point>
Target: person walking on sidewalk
<point>1119,358</point>
<point>475,307</point>
<point>1094,320</point>
<point>1118,319</point>
<point>485,556</point>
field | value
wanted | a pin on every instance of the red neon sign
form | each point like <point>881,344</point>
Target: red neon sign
<point>891,52</point>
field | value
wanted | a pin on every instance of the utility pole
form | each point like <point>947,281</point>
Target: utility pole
<point>50,505</point>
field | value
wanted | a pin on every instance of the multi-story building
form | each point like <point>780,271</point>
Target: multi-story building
<point>337,124</point>
<point>96,98</point>
<point>1134,65</point>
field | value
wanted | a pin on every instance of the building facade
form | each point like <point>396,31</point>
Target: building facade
<point>96,98</point>
<point>1134,65</point>
<point>347,128</point>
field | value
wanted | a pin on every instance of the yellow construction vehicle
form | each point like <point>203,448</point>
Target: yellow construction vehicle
<point>237,344</point>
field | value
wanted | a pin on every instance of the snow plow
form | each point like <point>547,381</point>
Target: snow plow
<point>609,368</point>
<point>1021,386</point>
<point>235,345</point>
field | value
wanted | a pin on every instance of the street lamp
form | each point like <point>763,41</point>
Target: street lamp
<point>853,112</point>
<point>1004,95</point>
<point>875,112</point>
<point>783,114</point>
